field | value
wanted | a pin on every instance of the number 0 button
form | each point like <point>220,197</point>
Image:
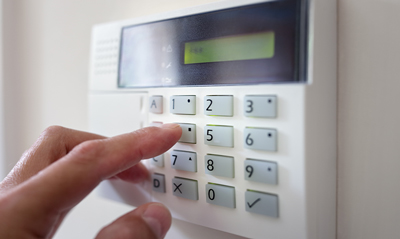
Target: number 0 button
<point>260,138</point>
<point>220,135</point>
<point>220,195</point>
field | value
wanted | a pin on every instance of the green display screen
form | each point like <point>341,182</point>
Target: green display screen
<point>231,48</point>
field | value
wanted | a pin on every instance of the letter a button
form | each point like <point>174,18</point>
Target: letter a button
<point>156,104</point>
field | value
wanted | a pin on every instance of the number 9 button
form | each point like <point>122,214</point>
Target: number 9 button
<point>261,171</point>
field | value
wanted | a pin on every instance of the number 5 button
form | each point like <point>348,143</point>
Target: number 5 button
<point>218,135</point>
<point>260,138</point>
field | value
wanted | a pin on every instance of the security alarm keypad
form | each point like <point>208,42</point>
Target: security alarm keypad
<point>252,85</point>
<point>257,170</point>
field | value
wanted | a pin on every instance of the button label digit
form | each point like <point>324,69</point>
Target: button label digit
<point>249,141</point>
<point>250,170</point>
<point>209,134</point>
<point>175,157</point>
<point>250,106</point>
<point>210,165</point>
<point>211,194</point>
<point>208,108</point>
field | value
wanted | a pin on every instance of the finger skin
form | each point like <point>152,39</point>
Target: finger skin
<point>54,143</point>
<point>66,182</point>
<point>148,221</point>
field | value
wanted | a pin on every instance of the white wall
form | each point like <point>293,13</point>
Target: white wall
<point>46,58</point>
<point>369,117</point>
<point>2,146</point>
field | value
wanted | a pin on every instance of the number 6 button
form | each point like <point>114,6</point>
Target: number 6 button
<point>260,138</point>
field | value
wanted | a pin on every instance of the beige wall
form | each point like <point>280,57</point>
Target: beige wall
<point>369,119</point>
<point>46,49</point>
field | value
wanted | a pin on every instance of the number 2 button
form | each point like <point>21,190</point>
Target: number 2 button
<point>218,105</point>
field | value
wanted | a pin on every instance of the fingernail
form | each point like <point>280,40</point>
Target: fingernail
<point>170,126</point>
<point>158,218</point>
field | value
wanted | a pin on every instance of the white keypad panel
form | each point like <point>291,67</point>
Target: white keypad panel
<point>219,157</point>
<point>218,135</point>
<point>183,104</point>
<point>156,104</point>
<point>183,160</point>
<point>261,171</point>
<point>185,188</point>
<point>158,161</point>
<point>218,165</point>
<point>220,195</point>
<point>218,105</point>
<point>260,138</point>
<point>264,106</point>
<point>188,133</point>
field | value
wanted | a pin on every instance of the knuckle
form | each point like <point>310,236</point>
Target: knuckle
<point>54,130</point>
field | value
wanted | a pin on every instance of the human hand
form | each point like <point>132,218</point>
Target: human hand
<point>65,165</point>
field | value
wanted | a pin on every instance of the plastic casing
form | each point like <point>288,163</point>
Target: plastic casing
<point>306,125</point>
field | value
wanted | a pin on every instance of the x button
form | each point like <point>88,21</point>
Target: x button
<point>185,188</point>
<point>177,187</point>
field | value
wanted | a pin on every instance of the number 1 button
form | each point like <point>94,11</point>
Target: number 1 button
<point>183,104</point>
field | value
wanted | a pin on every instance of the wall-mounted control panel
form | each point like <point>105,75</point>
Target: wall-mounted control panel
<point>253,86</point>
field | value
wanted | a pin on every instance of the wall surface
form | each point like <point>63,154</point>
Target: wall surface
<point>369,116</point>
<point>46,51</point>
<point>2,144</point>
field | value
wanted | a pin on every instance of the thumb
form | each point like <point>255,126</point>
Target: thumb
<point>148,221</point>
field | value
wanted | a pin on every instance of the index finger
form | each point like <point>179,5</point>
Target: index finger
<point>66,182</point>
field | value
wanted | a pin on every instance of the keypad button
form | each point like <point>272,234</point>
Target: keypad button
<point>220,135</point>
<point>158,161</point>
<point>261,171</point>
<point>156,104</point>
<point>260,106</point>
<point>220,195</point>
<point>260,138</point>
<point>217,165</point>
<point>262,203</point>
<point>183,160</point>
<point>185,188</point>
<point>188,133</point>
<point>158,182</point>
<point>183,104</point>
<point>218,105</point>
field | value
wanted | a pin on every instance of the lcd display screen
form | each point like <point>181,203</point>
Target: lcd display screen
<point>231,48</point>
<point>253,44</point>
